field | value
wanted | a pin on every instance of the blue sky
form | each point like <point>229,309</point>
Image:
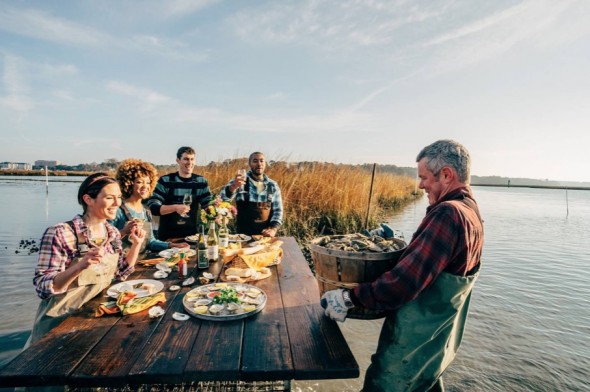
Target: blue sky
<point>339,81</point>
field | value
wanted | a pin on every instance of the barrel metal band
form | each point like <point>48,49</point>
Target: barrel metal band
<point>346,285</point>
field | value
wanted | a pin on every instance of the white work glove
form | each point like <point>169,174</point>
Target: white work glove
<point>336,304</point>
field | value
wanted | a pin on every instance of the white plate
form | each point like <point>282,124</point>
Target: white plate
<point>114,292</point>
<point>239,238</point>
<point>167,253</point>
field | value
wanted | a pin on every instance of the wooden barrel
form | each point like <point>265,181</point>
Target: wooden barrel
<point>338,269</point>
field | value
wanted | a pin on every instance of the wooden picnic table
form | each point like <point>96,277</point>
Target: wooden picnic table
<point>289,339</point>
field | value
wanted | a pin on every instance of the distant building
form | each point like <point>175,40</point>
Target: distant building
<point>15,166</point>
<point>47,163</point>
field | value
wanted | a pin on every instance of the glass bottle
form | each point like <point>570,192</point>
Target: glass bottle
<point>212,244</point>
<point>182,266</point>
<point>223,235</point>
<point>202,258</point>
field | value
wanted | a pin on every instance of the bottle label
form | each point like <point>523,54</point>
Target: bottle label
<point>203,260</point>
<point>182,269</point>
<point>213,252</point>
<point>223,242</point>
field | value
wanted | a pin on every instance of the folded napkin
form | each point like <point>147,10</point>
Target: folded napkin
<point>127,303</point>
<point>263,259</point>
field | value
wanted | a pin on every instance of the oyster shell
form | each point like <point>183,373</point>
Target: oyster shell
<point>180,316</point>
<point>174,287</point>
<point>156,311</point>
<point>160,274</point>
<point>208,275</point>
<point>215,308</point>
<point>189,281</point>
<point>233,307</point>
<point>163,266</point>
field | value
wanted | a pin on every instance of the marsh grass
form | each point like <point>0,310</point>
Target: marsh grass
<point>324,198</point>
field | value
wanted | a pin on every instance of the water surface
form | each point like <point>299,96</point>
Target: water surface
<point>529,324</point>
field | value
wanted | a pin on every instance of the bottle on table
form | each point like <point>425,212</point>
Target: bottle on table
<point>182,266</point>
<point>202,258</point>
<point>223,235</point>
<point>212,244</point>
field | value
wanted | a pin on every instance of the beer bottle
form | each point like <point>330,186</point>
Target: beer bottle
<point>212,244</point>
<point>202,258</point>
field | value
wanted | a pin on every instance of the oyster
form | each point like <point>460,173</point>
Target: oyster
<point>180,316</point>
<point>215,308</point>
<point>156,311</point>
<point>233,307</point>
<point>160,274</point>
<point>208,275</point>
<point>174,287</point>
<point>163,266</point>
<point>202,302</point>
<point>189,281</point>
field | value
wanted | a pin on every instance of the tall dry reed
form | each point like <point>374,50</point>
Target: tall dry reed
<point>323,198</point>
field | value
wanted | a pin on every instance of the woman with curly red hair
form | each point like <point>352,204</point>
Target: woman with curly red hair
<point>138,179</point>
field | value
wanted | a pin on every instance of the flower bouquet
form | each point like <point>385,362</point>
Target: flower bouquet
<point>219,211</point>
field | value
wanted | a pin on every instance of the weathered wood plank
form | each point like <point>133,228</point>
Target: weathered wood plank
<point>316,341</point>
<point>266,341</point>
<point>166,352</point>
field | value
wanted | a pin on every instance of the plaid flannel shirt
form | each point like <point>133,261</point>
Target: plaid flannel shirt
<point>59,248</point>
<point>271,193</point>
<point>449,238</point>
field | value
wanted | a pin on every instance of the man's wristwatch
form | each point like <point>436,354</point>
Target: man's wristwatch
<point>346,297</point>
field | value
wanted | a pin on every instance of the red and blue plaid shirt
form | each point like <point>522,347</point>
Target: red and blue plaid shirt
<point>59,248</point>
<point>449,239</point>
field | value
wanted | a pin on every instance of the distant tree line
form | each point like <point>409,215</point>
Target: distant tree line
<point>110,165</point>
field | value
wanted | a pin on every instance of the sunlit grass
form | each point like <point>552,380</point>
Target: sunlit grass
<point>324,198</point>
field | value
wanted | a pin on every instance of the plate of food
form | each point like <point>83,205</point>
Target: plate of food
<point>167,253</point>
<point>141,287</point>
<point>239,238</point>
<point>224,301</point>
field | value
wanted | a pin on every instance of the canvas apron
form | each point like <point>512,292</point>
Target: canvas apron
<point>420,340</point>
<point>147,227</point>
<point>253,217</point>
<point>88,285</point>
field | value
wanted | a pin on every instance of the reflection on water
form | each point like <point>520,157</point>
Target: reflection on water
<point>529,324</point>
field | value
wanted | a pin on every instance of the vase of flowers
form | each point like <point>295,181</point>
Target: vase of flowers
<point>219,211</point>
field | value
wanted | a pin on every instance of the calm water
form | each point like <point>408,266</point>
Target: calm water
<point>529,325</point>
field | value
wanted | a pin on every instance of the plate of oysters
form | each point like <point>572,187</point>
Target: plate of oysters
<point>224,301</point>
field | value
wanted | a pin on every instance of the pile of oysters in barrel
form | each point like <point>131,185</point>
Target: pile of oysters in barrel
<point>358,242</point>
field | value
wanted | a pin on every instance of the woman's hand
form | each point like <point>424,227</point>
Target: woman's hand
<point>93,256</point>
<point>136,235</point>
<point>128,228</point>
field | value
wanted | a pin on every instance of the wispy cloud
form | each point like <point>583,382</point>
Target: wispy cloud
<point>42,25</point>
<point>163,47</point>
<point>532,23</point>
<point>184,7</point>
<point>149,100</point>
<point>16,86</point>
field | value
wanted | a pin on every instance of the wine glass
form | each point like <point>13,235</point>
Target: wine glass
<point>96,242</point>
<point>242,172</point>
<point>187,201</point>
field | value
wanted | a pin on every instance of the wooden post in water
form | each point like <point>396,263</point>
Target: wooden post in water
<point>370,196</point>
<point>46,182</point>
<point>567,204</point>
